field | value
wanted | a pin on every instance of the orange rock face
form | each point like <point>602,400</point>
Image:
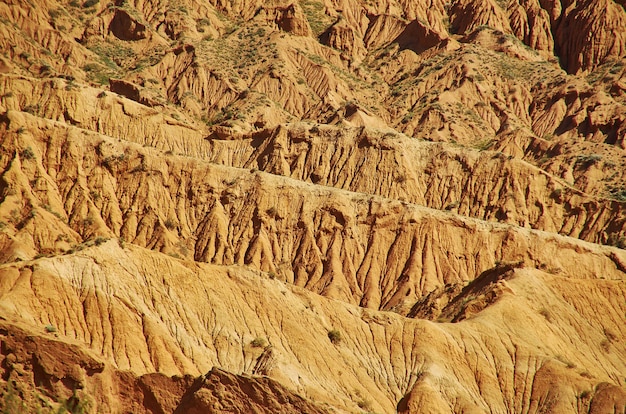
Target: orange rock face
<point>316,206</point>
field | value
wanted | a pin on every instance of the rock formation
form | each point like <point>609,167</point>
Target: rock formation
<point>315,206</point>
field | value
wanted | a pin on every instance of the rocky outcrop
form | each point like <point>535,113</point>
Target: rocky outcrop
<point>131,91</point>
<point>124,27</point>
<point>381,28</point>
<point>542,329</point>
<point>419,37</point>
<point>532,24</point>
<point>467,15</point>
<point>377,252</point>
<point>589,33</point>
<point>343,37</point>
<point>317,206</point>
<point>548,204</point>
<point>291,19</point>
<point>226,392</point>
<point>42,372</point>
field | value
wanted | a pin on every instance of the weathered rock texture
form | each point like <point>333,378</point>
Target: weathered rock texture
<point>536,328</point>
<point>313,206</point>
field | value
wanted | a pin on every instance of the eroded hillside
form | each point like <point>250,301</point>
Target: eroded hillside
<point>314,206</point>
<point>523,329</point>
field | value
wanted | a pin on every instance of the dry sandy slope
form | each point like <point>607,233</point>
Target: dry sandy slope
<point>44,368</point>
<point>482,184</point>
<point>537,341</point>
<point>285,144</point>
<point>378,252</point>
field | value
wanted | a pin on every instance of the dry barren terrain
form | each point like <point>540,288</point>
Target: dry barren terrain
<point>313,206</point>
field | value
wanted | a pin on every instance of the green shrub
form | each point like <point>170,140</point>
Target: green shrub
<point>100,240</point>
<point>588,159</point>
<point>28,154</point>
<point>484,145</point>
<point>31,109</point>
<point>617,193</point>
<point>170,224</point>
<point>617,240</point>
<point>334,336</point>
<point>75,405</point>
<point>12,403</point>
<point>258,343</point>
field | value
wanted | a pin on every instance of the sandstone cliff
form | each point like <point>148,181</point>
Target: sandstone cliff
<point>313,206</point>
<point>514,329</point>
